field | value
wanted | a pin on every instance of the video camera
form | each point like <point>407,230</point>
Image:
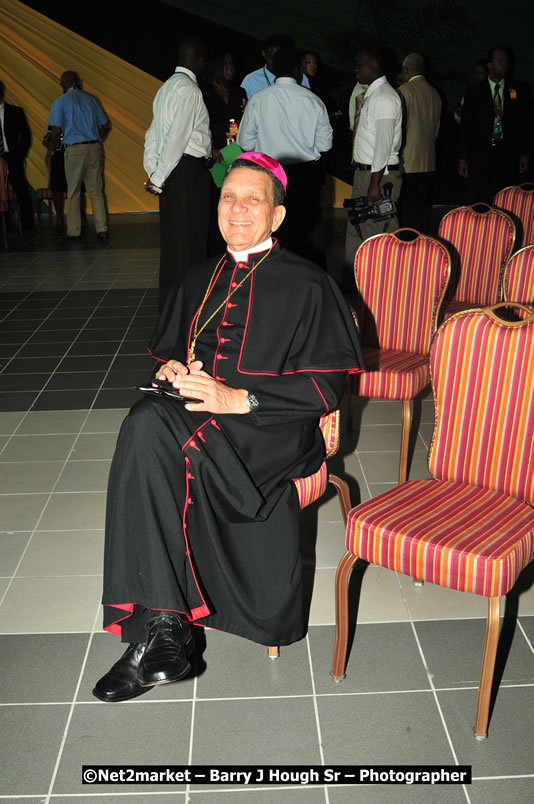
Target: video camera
<point>360,209</point>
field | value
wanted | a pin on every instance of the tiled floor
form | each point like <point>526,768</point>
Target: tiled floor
<point>74,319</point>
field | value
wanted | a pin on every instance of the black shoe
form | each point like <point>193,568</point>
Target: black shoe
<point>120,683</point>
<point>169,641</point>
<point>73,237</point>
<point>102,236</point>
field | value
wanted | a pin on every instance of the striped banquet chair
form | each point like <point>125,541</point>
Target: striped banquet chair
<point>471,528</point>
<point>312,488</point>
<point>519,201</point>
<point>483,238</point>
<point>400,285</point>
<point>518,277</point>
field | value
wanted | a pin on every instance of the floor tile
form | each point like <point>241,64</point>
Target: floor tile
<point>502,791</point>
<point>508,749</point>
<point>328,547</point>
<point>68,400</point>
<point>39,605</point>
<point>16,400</point>
<point>305,795</point>
<point>38,448</point>
<point>259,676</point>
<point>98,731</point>
<point>84,476</point>
<point>433,602</point>
<point>380,599</point>
<point>41,667</point>
<point>74,510</point>
<point>105,421</point>
<point>54,553</point>
<point>381,437</point>
<point>28,757</point>
<point>21,511</point>
<point>12,545</point>
<point>225,730</point>
<point>382,657</point>
<point>453,651</point>
<point>527,624</point>
<point>29,476</point>
<point>397,794</point>
<point>22,382</point>
<point>113,398</point>
<point>52,422</point>
<point>363,729</point>
<point>383,467</point>
<point>94,446</point>
<point>73,381</point>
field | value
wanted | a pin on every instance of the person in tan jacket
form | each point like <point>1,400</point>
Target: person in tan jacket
<point>422,111</point>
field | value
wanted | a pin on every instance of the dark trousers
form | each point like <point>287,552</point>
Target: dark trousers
<point>302,230</point>
<point>184,208</point>
<point>489,171</point>
<point>17,180</point>
<point>415,202</point>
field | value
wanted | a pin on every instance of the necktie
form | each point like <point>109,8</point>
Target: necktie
<point>497,116</point>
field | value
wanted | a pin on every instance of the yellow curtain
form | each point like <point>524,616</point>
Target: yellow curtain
<point>35,51</point>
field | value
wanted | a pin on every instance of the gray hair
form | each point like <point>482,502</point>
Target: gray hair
<point>415,64</point>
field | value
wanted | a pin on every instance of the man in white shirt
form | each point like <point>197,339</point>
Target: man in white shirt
<point>177,146</point>
<point>377,141</point>
<point>291,124</point>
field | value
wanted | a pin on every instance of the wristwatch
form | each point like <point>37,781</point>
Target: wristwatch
<point>252,403</point>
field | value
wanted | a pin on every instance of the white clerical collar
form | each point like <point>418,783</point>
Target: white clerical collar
<point>242,256</point>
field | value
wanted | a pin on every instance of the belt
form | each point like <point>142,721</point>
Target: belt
<point>85,142</point>
<point>359,166</point>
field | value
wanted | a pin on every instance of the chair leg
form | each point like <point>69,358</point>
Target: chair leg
<point>343,572</point>
<point>488,667</point>
<point>405,438</point>
<point>342,495</point>
<point>273,652</point>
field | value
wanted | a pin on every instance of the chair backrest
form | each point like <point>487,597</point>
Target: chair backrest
<point>482,372</point>
<point>484,238</point>
<point>401,285</point>
<point>518,277</point>
<point>329,424</point>
<point>520,202</point>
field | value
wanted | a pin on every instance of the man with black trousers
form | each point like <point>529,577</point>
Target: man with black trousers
<point>15,141</point>
<point>494,130</point>
<point>177,146</point>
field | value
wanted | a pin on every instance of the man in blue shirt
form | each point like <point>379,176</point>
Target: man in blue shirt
<point>264,77</point>
<point>84,124</point>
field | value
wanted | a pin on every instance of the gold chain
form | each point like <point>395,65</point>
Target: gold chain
<point>196,331</point>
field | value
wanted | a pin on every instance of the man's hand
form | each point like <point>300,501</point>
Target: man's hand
<point>153,188</point>
<point>217,397</point>
<point>523,164</point>
<point>374,193</point>
<point>463,168</point>
<point>173,371</point>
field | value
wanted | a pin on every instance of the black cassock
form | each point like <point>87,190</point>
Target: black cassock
<point>202,514</point>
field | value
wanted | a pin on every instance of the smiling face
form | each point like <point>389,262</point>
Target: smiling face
<point>309,65</point>
<point>247,213</point>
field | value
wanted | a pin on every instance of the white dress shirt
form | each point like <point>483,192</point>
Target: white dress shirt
<point>180,126</point>
<point>379,132</point>
<point>286,121</point>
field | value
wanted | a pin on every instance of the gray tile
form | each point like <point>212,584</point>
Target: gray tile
<point>10,421</point>
<point>369,729</point>
<point>159,735</point>
<point>28,757</point>
<point>398,794</point>
<point>303,795</point>
<point>502,791</point>
<point>12,546</point>
<point>258,675</point>
<point>244,729</point>
<point>105,421</point>
<point>84,476</point>
<point>104,651</point>
<point>384,657</point>
<point>383,467</point>
<point>378,437</point>
<point>453,651</point>
<point>508,749</point>
<point>41,667</point>
<point>83,510</point>
<point>21,511</point>
<point>52,422</point>
<point>94,446</point>
<point>38,448</point>
<point>57,553</point>
<point>28,476</point>
<point>146,798</point>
